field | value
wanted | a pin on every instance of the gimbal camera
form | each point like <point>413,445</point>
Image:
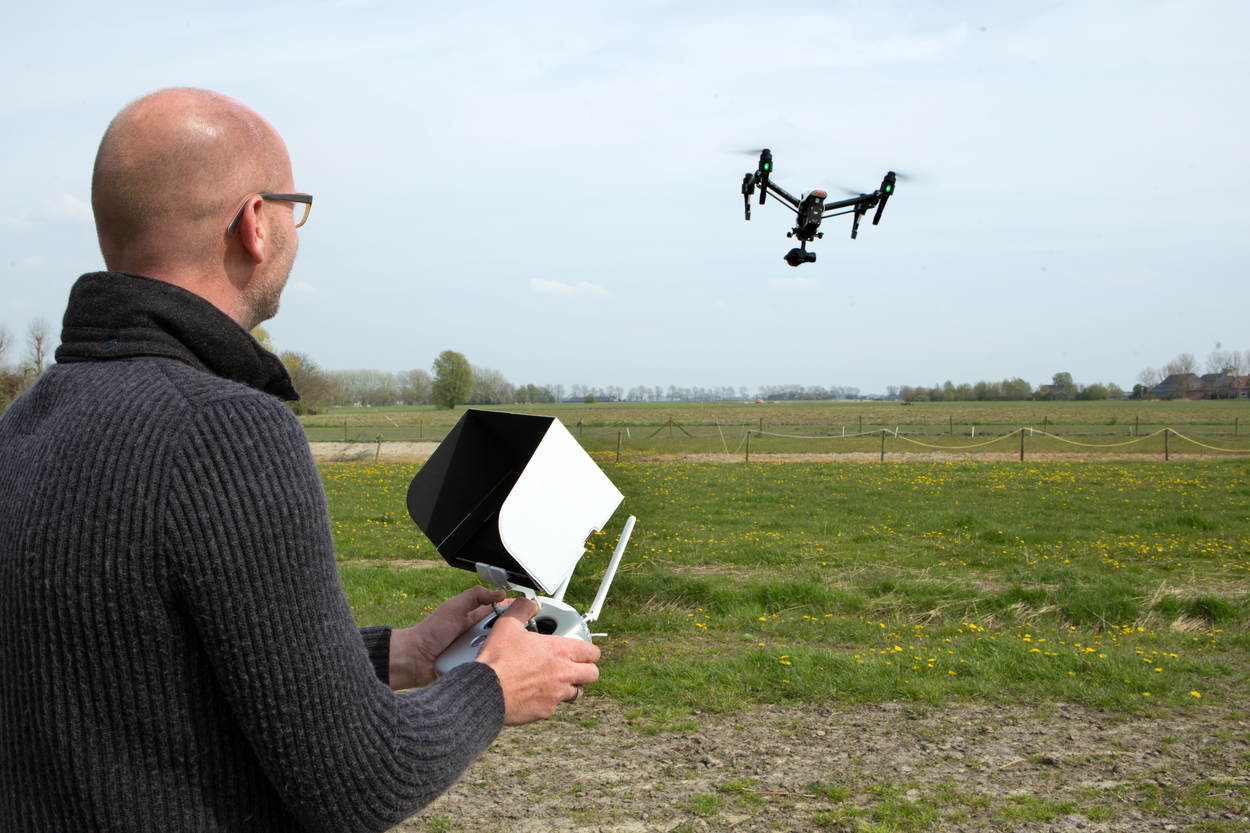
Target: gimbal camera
<point>812,208</point>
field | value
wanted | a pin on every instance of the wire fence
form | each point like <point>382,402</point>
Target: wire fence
<point>755,439</point>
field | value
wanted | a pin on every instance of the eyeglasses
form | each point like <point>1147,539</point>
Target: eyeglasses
<point>301,205</point>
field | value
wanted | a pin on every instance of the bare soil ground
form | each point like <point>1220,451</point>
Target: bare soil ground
<point>964,767</point>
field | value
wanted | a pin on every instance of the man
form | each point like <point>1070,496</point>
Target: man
<point>176,652</point>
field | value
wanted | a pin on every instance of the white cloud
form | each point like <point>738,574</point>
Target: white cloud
<point>560,288</point>
<point>799,284</point>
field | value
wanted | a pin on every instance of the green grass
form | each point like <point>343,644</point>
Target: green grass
<point>1118,585</point>
<point>720,427</point>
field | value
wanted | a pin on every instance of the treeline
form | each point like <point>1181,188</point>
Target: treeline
<point>1061,388</point>
<point>793,393</point>
<point>16,377</point>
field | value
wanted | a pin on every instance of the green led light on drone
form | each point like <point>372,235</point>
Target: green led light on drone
<point>768,166</point>
<point>889,188</point>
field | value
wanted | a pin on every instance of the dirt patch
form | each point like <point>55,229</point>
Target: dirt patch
<point>596,767</point>
<point>395,563</point>
<point>368,452</point>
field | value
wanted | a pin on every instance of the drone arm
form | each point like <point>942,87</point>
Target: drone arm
<point>861,203</point>
<point>887,188</point>
<point>783,195</point>
<point>748,188</point>
<point>876,218</point>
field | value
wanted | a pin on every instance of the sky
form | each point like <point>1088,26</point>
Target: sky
<point>552,188</point>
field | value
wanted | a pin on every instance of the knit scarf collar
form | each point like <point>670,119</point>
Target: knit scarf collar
<point>116,315</point>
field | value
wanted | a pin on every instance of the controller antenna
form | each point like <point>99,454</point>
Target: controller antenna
<point>593,613</point>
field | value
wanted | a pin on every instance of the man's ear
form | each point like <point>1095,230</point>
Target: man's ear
<point>252,233</point>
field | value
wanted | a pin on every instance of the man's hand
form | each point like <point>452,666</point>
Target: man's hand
<point>536,672</point>
<point>414,649</point>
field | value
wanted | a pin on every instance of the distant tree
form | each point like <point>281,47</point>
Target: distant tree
<point>1219,360</point>
<point>416,388</point>
<point>1092,392</point>
<point>533,394</point>
<point>315,386</point>
<point>1114,391</point>
<point>1148,378</point>
<point>489,387</point>
<point>590,399</point>
<point>1062,385</point>
<point>262,338</point>
<point>10,381</point>
<point>38,343</point>
<point>365,387</point>
<point>1183,363</point>
<point>1017,389</point>
<point>453,379</point>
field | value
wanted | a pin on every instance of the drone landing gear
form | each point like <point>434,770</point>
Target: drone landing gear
<point>794,257</point>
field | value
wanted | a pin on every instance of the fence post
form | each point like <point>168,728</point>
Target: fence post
<point>618,446</point>
<point>1236,425</point>
<point>882,444</point>
<point>1137,426</point>
<point>1166,455</point>
<point>1045,422</point>
<point>1021,445</point>
<point>761,425</point>
<point>748,459</point>
<point>378,453</point>
<point>950,420</point>
<point>344,430</point>
<point>420,429</point>
<point>861,423</point>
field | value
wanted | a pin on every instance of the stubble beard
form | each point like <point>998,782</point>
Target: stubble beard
<point>264,296</point>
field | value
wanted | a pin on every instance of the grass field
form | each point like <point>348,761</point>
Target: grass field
<point>644,429</point>
<point>1118,585</point>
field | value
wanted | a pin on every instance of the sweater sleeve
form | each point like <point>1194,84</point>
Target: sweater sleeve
<point>378,645</point>
<point>249,531</point>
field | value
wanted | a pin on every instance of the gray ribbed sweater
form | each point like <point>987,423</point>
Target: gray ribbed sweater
<point>176,652</point>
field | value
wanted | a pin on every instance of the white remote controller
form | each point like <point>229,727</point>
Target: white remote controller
<point>554,616</point>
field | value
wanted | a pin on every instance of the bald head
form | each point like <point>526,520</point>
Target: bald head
<point>170,172</point>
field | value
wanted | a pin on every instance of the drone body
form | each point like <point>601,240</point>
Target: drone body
<point>812,208</point>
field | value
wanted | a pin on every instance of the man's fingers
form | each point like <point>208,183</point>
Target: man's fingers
<point>585,673</point>
<point>521,608</point>
<point>579,651</point>
<point>479,595</point>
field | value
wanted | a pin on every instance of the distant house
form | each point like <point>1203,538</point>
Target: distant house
<point>1177,385</point>
<point>1223,385</point>
<point>1226,385</point>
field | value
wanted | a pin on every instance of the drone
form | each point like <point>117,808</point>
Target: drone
<point>812,208</point>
